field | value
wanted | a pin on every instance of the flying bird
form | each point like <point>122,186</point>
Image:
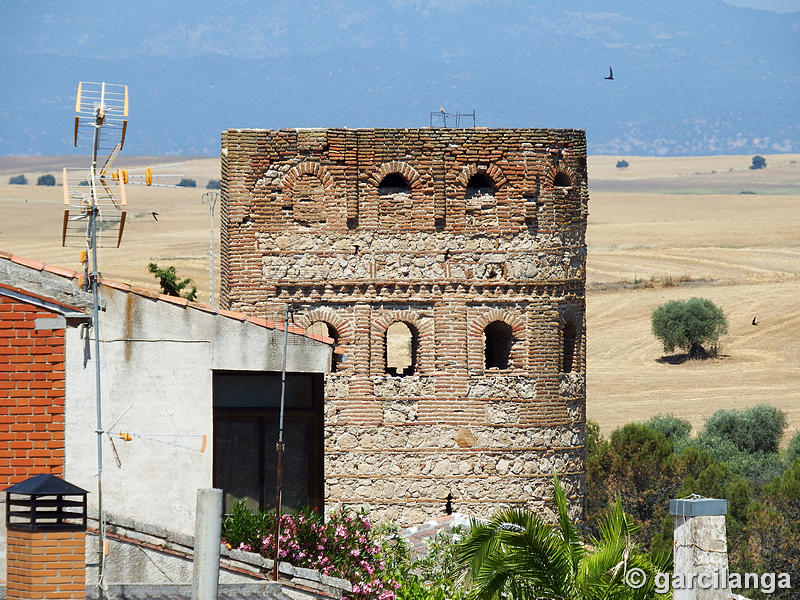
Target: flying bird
<point>610,73</point>
<point>754,321</point>
<point>155,215</point>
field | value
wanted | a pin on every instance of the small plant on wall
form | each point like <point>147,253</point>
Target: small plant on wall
<point>171,284</point>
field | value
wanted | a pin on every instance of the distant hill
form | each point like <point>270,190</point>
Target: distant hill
<point>691,76</point>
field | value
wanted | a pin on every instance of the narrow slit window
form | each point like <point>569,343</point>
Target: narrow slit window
<point>401,349</point>
<point>498,340</point>
<point>570,339</point>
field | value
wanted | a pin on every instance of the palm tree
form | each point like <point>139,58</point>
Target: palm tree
<point>516,555</point>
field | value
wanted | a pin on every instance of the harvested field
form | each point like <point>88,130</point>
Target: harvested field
<point>661,229</point>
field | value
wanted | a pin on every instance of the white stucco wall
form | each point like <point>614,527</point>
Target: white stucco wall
<point>157,361</point>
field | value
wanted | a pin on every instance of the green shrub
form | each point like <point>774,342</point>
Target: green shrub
<point>759,162</point>
<point>671,426</point>
<point>186,182</point>
<point>18,180</point>
<point>793,451</point>
<point>46,180</point>
<point>757,429</point>
<point>213,184</point>
<point>622,164</point>
<point>688,325</point>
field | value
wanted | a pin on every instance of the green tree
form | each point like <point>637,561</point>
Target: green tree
<point>213,184</point>
<point>171,284</point>
<point>46,180</point>
<point>688,325</point>
<point>18,180</point>
<point>622,164</point>
<point>518,555</point>
<point>759,162</point>
<point>186,182</point>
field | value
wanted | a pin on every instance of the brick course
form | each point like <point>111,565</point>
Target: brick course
<point>32,387</point>
<point>447,231</point>
<point>46,564</point>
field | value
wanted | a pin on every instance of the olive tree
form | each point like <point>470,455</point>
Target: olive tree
<point>689,325</point>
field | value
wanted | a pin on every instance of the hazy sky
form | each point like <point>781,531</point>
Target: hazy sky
<point>774,5</point>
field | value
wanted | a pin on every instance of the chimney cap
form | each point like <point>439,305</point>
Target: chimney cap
<point>46,484</point>
<point>698,507</point>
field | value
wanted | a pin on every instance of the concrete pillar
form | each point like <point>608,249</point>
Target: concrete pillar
<point>700,553</point>
<point>207,535</point>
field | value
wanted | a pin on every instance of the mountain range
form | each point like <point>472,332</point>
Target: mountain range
<point>691,77</point>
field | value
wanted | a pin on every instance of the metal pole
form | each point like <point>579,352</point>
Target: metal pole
<point>207,535</point>
<point>279,448</point>
<point>211,199</point>
<point>101,524</point>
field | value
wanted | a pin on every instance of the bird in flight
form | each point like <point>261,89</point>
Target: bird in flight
<point>754,321</point>
<point>610,73</point>
<point>155,215</point>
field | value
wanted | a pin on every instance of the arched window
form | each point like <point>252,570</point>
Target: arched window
<point>328,330</point>
<point>481,205</point>
<point>401,349</point>
<point>570,339</point>
<point>562,180</point>
<point>498,340</point>
<point>479,185</point>
<point>394,183</point>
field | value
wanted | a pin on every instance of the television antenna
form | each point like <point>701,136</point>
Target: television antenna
<point>94,215</point>
<point>441,116</point>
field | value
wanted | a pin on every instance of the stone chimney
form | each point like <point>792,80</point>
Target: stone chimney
<point>700,550</point>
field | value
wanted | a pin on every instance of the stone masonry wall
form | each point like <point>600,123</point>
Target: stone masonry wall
<point>448,231</point>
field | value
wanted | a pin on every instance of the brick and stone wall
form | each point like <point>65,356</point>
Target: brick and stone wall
<point>31,393</point>
<point>450,232</point>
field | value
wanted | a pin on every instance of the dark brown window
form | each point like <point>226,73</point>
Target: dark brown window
<point>562,180</point>
<point>498,340</point>
<point>246,413</point>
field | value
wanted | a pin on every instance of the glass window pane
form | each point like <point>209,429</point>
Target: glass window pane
<point>259,390</point>
<point>295,463</point>
<point>236,461</point>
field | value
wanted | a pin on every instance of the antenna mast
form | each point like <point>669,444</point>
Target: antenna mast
<point>97,216</point>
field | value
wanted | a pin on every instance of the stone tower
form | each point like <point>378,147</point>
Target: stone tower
<point>474,240</point>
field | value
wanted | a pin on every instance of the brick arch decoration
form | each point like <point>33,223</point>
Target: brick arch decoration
<point>343,327</point>
<point>415,212</point>
<point>549,179</point>
<point>475,341</point>
<point>308,167</point>
<point>492,171</point>
<point>408,172</point>
<point>425,339</point>
<point>331,213</point>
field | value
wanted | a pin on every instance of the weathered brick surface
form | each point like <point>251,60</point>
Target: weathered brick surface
<point>447,231</point>
<point>32,391</point>
<point>48,564</point>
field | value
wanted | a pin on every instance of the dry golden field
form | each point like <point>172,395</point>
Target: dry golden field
<point>661,229</point>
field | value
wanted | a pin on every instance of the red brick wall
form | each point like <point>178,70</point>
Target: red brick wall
<point>46,564</point>
<point>31,393</point>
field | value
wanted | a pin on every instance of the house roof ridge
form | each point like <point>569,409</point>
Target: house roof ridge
<point>122,286</point>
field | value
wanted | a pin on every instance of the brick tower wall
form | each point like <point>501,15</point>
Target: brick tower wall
<point>488,225</point>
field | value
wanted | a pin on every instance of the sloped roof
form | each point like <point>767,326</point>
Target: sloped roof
<point>75,278</point>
